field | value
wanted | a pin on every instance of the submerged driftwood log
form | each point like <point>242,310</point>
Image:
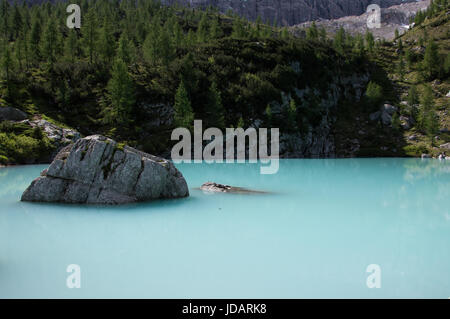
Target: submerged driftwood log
<point>212,187</point>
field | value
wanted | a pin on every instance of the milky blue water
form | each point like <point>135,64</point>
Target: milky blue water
<point>312,236</point>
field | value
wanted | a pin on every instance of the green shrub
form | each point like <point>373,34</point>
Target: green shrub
<point>416,150</point>
<point>374,94</point>
<point>23,148</point>
<point>3,160</point>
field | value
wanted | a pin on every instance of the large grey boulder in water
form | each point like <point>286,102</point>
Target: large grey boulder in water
<point>97,170</point>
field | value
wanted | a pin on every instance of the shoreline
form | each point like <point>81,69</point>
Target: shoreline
<point>284,158</point>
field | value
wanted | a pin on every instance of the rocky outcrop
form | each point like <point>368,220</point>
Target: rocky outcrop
<point>97,170</point>
<point>318,141</point>
<point>9,113</point>
<point>384,114</point>
<point>406,122</point>
<point>59,135</point>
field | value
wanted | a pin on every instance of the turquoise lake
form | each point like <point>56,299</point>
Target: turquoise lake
<point>312,236</point>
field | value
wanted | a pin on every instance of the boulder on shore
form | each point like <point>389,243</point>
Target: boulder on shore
<point>9,113</point>
<point>97,170</point>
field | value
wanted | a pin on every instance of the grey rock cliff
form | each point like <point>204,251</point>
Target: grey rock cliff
<point>96,170</point>
<point>290,12</point>
<point>395,17</point>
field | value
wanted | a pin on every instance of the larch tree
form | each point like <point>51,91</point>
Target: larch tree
<point>215,112</point>
<point>431,62</point>
<point>49,43</point>
<point>183,113</point>
<point>90,34</point>
<point>121,94</point>
<point>106,43</point>
<point>71,46</point>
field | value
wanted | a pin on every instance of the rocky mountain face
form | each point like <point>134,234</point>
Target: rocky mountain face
<point>392,18</point>
<point>290,12</point>
<point>318,141</point>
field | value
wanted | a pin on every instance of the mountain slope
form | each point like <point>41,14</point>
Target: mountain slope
<point>417,65</point>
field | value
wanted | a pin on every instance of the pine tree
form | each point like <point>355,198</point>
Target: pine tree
<point>24,45</point>
<point>431,125</point>
<point>4,16</point>
<point>431,62</point>
<point>269,115</point>
<point>125,51</point>
<point>370,41</point>
<point>71,46</point>
<point>446,66</point>
<point>428,119</point>
<point>401,68</point>
<point>16,21</point>
<point>189,74</point>
<point>90,34</point>
<point>184,116</point>
<point>34,40</point>
<point>413,96</point>
<point>374,94</point>
<point>151,47</point>
<point>359,44</point>
<point>322,34</point>
<point>202,31</point>
<point>240,123</point>
<point>284,33</point>
<point>413,101</point>
<point>49,43</point>
<point>400,45</point>
<point>339,40</point>
<point>106,43</point>
<point>165,49</point>
<point>121,94</point>
<point>312,33</point>
<point>292,114</point>
<point>7,65</point>
<point>215,31</point>
<point>19,52</point>
<point>178,36</point>
<point>238,29</point>
<point>395,121</point>
<point>190,39</point>
<point>409,57</point>
<point>215,111</point>
<point>426,108</point>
